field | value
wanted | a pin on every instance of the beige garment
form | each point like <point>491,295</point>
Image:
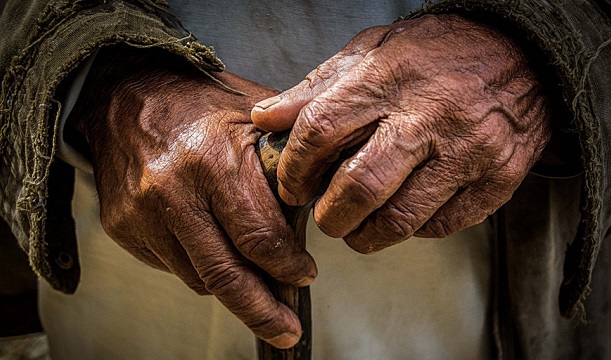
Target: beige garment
<point>422,299</point>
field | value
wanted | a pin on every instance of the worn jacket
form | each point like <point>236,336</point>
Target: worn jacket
<point>552,293</point>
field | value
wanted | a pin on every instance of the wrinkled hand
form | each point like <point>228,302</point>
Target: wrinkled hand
<point>181,187</point>
<point>453,120</point>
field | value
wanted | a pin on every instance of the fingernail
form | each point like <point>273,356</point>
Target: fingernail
<point>269,102</point>
<point>305,281</point>
<point>284,341</point>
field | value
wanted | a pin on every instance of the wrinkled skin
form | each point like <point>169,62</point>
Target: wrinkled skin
<point>453,118</point>
<point>181,187</point>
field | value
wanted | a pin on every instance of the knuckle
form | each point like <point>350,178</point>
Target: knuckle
<point>198,286</point>
<point>412,136</point>
<point>122,209</point>
<point>117,221</point>
<point>231,286</point>
<point>363,186</point>
<point>297,187</point>
<point>398,226</point>
<point>149,193</point>
<point>152,186</point>
<point>321,76</point>
<point>366,40</point>
<point>290,175</point>
<point>315,129</point>
<point>439,227</point>
<point>377,78</point>
<point>223,279</point>
<point>256,243</point>
<point>147,256</point>
<point>262,323</point>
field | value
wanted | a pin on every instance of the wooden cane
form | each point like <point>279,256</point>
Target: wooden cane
<point>298,299</point>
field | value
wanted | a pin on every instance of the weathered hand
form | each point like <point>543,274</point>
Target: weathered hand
<point>181,187</point>
<point>453,119</point>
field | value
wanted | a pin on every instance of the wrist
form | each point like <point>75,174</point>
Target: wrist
<point>118,73</point>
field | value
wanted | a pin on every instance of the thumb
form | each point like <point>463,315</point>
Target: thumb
<point>279,113</point>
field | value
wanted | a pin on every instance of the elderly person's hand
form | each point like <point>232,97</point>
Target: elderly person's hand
<point>452,115</point>
<point>181,187</point>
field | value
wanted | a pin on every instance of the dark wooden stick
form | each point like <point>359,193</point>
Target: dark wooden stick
<point>298,299</point>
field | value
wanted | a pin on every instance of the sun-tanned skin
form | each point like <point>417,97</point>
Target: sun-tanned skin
<point>452,116</point>
<point>181,187</point>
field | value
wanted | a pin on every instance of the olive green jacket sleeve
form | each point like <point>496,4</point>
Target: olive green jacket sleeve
<point>41,42</point>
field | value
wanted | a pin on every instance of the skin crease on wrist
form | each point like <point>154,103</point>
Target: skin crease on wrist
<point>452,118</point>
<point>181,187</point>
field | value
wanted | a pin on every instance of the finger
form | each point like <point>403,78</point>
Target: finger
<point>324,128</point>
<point>121,227</point>
<point>251,216</point>
<point>278,113</point>
<point>422,194</point>
<point>170,252</point>
<point>367,180</point>
<point>148,257</point>
<point>230,278</point>
<point>468,207</point>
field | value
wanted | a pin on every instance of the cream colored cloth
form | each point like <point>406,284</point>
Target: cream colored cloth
<point>422,299</point>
